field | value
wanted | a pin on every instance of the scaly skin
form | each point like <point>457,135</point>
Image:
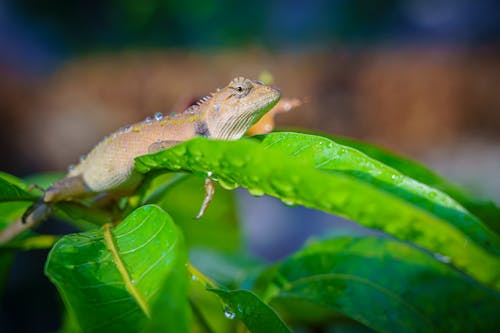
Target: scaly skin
<point>109,167</point>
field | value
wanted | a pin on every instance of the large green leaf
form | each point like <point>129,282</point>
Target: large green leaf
<point>297,181</point>
<point>387,285</point>
<point>488,211</point>
<point>328,155</point>
<point>249,308</point>
<point>111,278</point>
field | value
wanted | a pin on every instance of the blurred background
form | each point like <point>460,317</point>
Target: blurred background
<point>419,77</point>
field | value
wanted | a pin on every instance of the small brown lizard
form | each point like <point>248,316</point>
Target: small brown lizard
<point>109,167</point>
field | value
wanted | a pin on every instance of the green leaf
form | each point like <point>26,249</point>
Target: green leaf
<point>328,155</point>
<point>487,211</point>
<point>387,285</point>
<point>111,278</point>
<point>249,308</point>
<point>272,171</point>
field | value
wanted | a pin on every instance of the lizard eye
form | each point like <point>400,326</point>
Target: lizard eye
<point>241,87</point>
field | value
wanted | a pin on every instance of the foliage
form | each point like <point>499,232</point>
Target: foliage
<point>435,268</point>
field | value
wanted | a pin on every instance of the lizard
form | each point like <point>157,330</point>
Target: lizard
<point>109,167</point>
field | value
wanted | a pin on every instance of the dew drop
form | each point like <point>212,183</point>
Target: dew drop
<point>228,185</point>
<point>288,202</point>
<point>158,116</point>
<point>283,188</point>
<point>180,151</point>
<point>236,161</point>
<point>209,174</point>
<point>442,258</point>
<point>218,89</point>
<point>228,313</point>
<point>256,192</point>
<point>148,120</point>
<point>216,107</point>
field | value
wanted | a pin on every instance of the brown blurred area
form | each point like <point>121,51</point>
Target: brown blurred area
<point>410,100</point>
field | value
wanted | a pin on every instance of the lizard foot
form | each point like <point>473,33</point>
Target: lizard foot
<point>209,194</point>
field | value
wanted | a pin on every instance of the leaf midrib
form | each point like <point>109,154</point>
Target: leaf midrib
<point>120,265</point>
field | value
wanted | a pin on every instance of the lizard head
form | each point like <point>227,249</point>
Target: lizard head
<point>233,109</point>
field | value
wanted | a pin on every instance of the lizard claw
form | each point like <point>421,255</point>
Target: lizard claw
<point>209,194</point>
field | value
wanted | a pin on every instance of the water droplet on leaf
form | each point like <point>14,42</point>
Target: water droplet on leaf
<point>282,187</point>
<point>179,150</point>
<point>228,313</point>
<point>227,184</point>
<point>256,192</point>
<point>236,161</point>
<point>442,258</point>
<point>288,202</point>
